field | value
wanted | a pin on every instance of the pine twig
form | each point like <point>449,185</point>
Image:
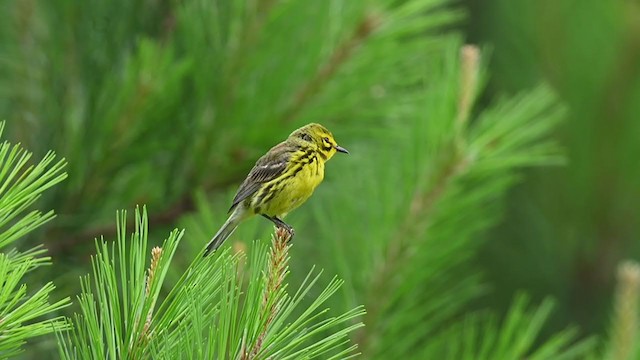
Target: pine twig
<point>156,252</point>
<point>276,272</point>
<point>469,73</point>
<point>625,323</point>
<point>144,335</point>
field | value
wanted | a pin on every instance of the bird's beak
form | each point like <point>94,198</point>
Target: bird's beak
<point>341,149</point>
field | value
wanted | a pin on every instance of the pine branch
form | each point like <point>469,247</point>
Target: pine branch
<point>19,309</point>
<point>421,210</point>
<point>145,334</point>
<point>469,74</point>
<point>341,55</point>
<point>624,326</point>
<point>21,185</point>
<point>278,264</point>
<point>422,205</point>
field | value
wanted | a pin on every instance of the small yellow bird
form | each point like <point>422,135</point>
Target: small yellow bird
<point>281,180</point>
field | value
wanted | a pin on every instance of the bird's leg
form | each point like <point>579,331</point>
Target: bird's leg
<point>270,219</point>
<point>281,224</point>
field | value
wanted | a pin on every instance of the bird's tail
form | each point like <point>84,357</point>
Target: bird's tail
<point>225,231</point>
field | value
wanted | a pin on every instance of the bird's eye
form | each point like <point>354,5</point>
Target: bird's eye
<point>326,139</point>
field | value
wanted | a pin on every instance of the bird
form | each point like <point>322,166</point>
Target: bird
<point>281,180</point>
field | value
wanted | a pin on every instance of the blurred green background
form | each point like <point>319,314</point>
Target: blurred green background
<point>169,103</point>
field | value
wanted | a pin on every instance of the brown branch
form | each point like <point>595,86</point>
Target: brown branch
<point>366,27</point>
<point>278,261</point>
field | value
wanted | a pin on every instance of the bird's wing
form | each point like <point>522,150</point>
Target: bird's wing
<point>267,168</point>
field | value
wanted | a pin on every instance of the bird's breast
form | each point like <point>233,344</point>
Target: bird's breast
<point>303,185</point>
<point>311,176</point>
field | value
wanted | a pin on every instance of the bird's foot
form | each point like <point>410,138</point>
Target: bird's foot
<point>291,233</point>
<point>280,224</point>
<point>284,235</point>
<point>288,228</point>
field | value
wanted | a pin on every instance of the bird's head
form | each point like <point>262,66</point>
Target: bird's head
<point>319,138</point>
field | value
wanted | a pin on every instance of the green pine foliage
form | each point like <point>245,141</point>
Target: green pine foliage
<point>26,311</point>
<point>581,218</point>
<point>417,276</point>
<point>209,313</point>
<point>169,103</point>
<point>481,336</point>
